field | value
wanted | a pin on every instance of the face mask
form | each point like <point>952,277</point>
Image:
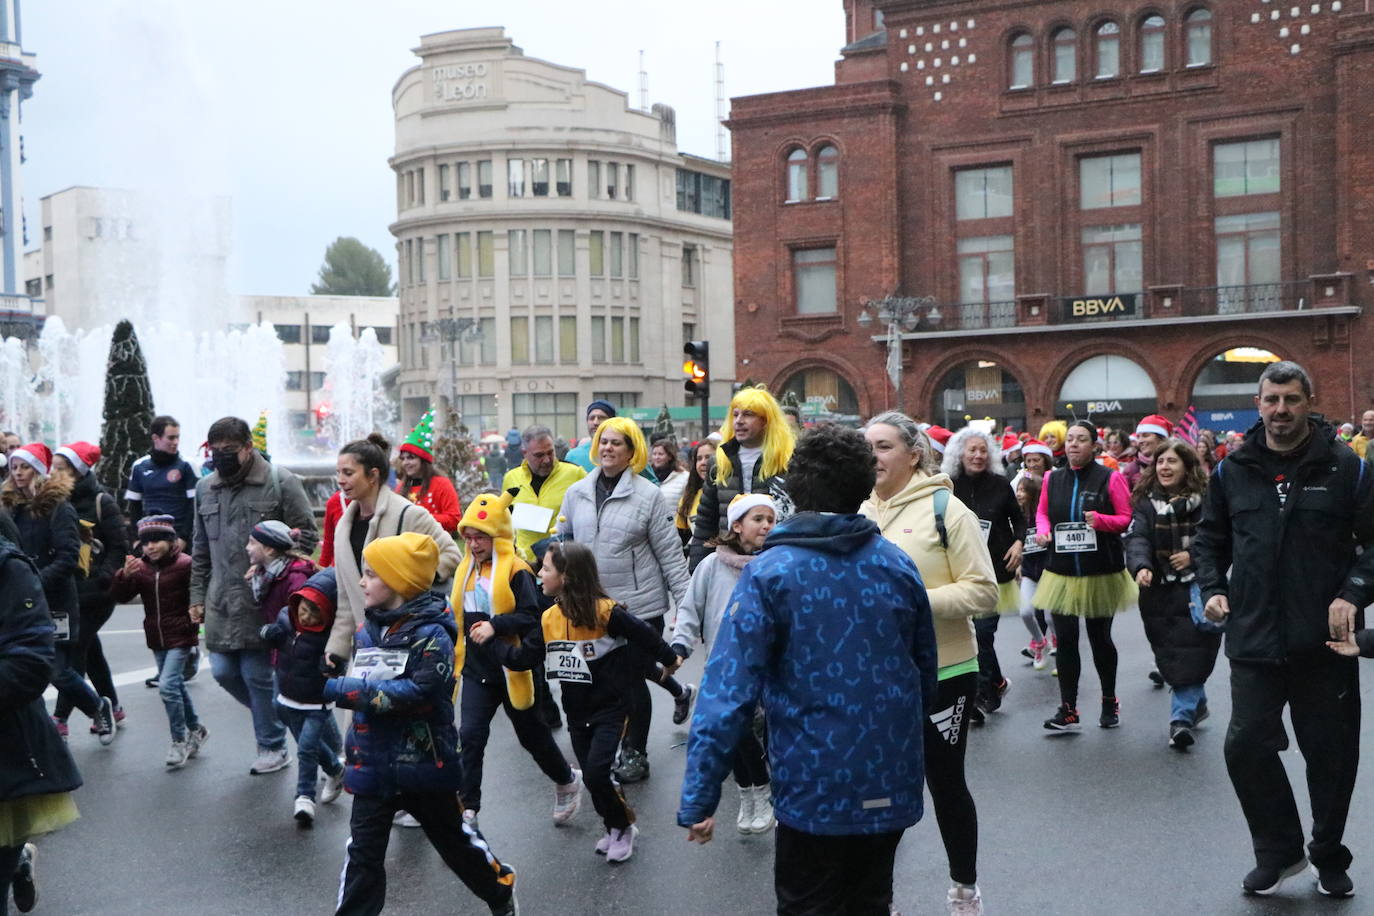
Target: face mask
<point>227,461</point>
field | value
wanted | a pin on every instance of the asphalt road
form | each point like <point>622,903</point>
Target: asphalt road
<point>1104,822</point>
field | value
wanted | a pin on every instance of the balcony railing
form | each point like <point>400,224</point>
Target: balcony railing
<point>1288,296</point>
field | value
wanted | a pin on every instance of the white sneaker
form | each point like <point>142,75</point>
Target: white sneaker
<point>745,822</point>
<point>470,818</point>
<point>305,811</point>
<point>196,738</point>
<point>177,755</point>
<point>333,785</point>
<point>622,844</point>
<point>964,900</point>
<point>270,761</point>
<point>567,799</point>
<point>763,810</point>
<point>404,819</point>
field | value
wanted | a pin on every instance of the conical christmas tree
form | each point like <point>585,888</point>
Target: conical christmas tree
<point>260,435</point>
<point>456,458</point>
<point>663,426</point>
<point>128,411</point>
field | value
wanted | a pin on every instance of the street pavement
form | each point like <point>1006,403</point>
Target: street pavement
<point>1102,823</point>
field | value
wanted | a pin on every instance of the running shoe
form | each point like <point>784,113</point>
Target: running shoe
<point>622,844</point>
<point>333,786</point>
<point>964,900</point>
<point>1180,736</point>
<point>61,726</point>
<point>604,843</point>
<point>152,683</point>
<point>1333,882</point>
<point>1038,658</point>
<point>1202,713</point>
<point>1264,880</point>
<point>106,727</point>
<point>567,799</point>
<point>1029,651</point>
<point>1111,713</point>
<point>634,766</point>
<point>196,738</point>
<point>1157,679</point>
<point>177,755</point>
<point>23,886</point>
<point>118,717</point>
<point>1065,720</point>
<point>270,761</point>
<point>682,706</point>
<point>304,811</point>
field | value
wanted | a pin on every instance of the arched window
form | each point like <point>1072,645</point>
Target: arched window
<point>1022,63</point>
<point>1107,46</point>
<point>1198,33</point>
<point>827,172</point>
<point>796,175</point>
<point>1065,48</point>
<point>1152,44</point>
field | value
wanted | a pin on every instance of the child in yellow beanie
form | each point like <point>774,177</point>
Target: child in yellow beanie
<point>402,747</point>
<point>496,595</point>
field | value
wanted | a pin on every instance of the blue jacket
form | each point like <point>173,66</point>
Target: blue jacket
<point>832,627</point>
<point>403,738</point>
<point>164,485</point>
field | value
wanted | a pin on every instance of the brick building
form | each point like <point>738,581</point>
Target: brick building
<point>1124,206</point>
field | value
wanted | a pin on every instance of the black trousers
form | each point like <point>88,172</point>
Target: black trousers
<point>479,704</point>
<point>88,656</point>
<point>833,875</point>
<point>1070,661</point>
<point>641,706</point>
<point>946,739</point>
<point>1323,698</point>
<point>750,763</point>
<point>362,888</point>
<point>989,670</point>
<point>595,743</point>
<point>9,861</point>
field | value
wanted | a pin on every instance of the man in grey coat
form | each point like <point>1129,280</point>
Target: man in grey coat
<point>243,490</point>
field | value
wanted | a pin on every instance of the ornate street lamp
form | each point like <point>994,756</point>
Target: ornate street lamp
<point>899,313</point>
<point>452,331</point>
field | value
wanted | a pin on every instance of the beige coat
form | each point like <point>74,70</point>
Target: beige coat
<point>960,581</point>
<point>393,514</point>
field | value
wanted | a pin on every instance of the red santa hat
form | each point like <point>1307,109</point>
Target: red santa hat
<point>1010,443</point>
<point>1036,447</point>
<point>938,437</point>
<point>81,455</point>
<point>1156,424</point>
<point>36,455</point>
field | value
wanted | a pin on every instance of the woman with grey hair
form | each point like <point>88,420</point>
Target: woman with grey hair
<point>914,507</point>
<point>973,460</point>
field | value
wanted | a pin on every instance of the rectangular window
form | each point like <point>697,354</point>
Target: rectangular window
<point>1251,167</point>
<point>617,340</point>
<point>558,412</point>
<point>563,177</point>
<point>539,177</point>
<point>983,193</point>
<point>488,341</point>
<point>598,340</point>
<point>445,255</point>
<point>319,333</point>
<point>463,244</point>
<point>629,182</point>
<point>443,182</point>
<point>567,339</point>
<point>596,252</point>
<point>478,412</point>
<point>295,380</point>
<point>317,379</point>
<point>689,332</point>
<point>634,340</point>
<point>420,186</point>
<point>617,255</point>
<point>410,187</point>
<point>986,269</point>
<point>1248,263</point>
<point>484,178</point>
<point>519,254</point>
<point>464,180</point>
<point>543,340</point>
<point>612,180</point>
<point>1112,260</point>
<point>1109,181</point>
<point>515,178</point>
<point>486,254</point>
<point>543,252</point>
<point>408,268</point>
<point>420,258</point>
<point>384,337</point>
<point>519,341</point>
<point>632,255</point>
<point>567,253</point>
<point>288,333</point>
<point>689,265</point>
<point>688,191</point>
<point>813,274</point>
<point>593,178</point>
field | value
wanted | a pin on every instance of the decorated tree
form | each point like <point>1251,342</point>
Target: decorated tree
<point>663,426</point>
<point>128,411</point>
<point>457,458</point>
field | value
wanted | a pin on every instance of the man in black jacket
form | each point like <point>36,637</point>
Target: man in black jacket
<point>1285,513</point>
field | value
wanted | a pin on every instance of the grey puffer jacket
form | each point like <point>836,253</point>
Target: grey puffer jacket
<point>701,611</point>
<point>225,516</point>
<point>638,552</point>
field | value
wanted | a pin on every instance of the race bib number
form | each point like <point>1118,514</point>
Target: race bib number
<point>376,664</point>
<point>1074,537</point>
<point>987,528</point>
<point>566,660</point>
<point>64,626</point>
<point>1032,545</point>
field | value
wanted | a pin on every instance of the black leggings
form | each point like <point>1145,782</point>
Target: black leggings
<point>88,656</point>
<point>1070,662</point>
<point>750,763</point>
<point>946,732</point>
<point>9,861</point>
<point>989,670</point>
<point>640,705</point>
<point>595,742</point>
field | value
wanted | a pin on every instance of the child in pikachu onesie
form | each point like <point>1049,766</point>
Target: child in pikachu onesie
<point>496,595</point>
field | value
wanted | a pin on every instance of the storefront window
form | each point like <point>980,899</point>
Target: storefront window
<point>979,388</point>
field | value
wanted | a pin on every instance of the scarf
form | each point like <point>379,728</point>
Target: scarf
<point>264,576</point>
<point>1176,521</point>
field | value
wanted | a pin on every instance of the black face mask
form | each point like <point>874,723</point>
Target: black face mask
<point>226,461</point>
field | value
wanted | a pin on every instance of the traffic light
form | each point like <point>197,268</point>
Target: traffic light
<point>697,368</point>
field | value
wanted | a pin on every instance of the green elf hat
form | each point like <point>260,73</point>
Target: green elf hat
<point>260,433</point>
<point>420,442</point>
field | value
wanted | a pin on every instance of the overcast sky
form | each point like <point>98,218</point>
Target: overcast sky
<point>286,105</point>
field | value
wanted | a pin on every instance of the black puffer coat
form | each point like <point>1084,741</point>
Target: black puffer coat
<point>992,499</point>
<point>33,759</point>
<point>49,534</point>
<point>110,530</point>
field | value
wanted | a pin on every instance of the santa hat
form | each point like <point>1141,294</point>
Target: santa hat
<point>81,455</point>
<point>36,455</point>
<point>741,504</point>
<point>939,436</point>
<point>1156,424</point>
<point>1010,443</point>
<point>420,442</point>
<point>1036,447</point>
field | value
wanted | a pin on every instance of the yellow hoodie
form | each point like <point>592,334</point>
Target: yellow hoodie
<point>960,581</point>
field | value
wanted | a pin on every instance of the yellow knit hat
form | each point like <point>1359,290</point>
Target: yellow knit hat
<point>406,563</point>
<point>489,514</point>
<point>632,434</point>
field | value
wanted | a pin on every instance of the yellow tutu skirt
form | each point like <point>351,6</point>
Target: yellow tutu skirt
<point>1101,595</point>
<point>23,818</point>
<point>1008,600</point>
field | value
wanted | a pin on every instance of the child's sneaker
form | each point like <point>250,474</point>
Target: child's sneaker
<point>270,761</point>
<point>304,811</point>
<point>118,717</point>
<point>106,727</point>
<point>1038,659</point>
<point>177,755</point>
<point>61,726</point>
<point>604,843</point>
<point>964,900</point>
<point>1065,720</point>
<point>333,786</point>
<point>1111,713</point>
<point>682,706</point>
<point>23,886</point>
<point>567,799</point>
<point>622,844</point>
<point>196,738</point>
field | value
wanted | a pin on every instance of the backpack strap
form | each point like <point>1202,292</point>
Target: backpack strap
<point>940,500</point>
<point>401,520</point>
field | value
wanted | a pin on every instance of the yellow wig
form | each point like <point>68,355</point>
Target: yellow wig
<point>639,456</point>
<point>778,441</point>
<point>1058,428</point>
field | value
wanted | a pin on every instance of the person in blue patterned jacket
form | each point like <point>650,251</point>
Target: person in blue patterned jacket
<point>832,628</point>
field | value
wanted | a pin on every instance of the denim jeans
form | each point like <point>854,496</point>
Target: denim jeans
<point>171,686</point>
<point>246,674</point>
<point>1187,700</point>
<point>318,744</point>
<point>71,685</point>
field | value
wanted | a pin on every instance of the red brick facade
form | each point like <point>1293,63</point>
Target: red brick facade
<point>929,97</point>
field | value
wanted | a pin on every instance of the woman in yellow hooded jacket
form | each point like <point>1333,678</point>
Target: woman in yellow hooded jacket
<point>914,507</point>
<point>495,595</point>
